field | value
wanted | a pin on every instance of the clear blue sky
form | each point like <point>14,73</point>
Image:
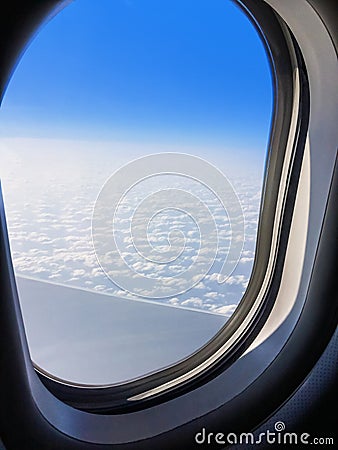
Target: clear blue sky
<point>178,71</point>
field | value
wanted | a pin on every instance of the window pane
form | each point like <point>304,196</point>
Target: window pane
<point>133,142</point>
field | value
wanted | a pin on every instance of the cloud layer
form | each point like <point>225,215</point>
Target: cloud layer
<point>49,212</point>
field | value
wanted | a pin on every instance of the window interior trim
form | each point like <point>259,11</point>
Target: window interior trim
<point>235,337</point>
<point>39,414</point>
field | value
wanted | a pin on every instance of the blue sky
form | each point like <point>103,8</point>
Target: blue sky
<point>180,72</point>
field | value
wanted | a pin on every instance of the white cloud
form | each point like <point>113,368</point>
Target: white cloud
<point>227,310</point>
<point>193,301</point>
<point>212,294</point>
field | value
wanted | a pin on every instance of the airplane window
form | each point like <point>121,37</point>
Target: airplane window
<point>133,139</point>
